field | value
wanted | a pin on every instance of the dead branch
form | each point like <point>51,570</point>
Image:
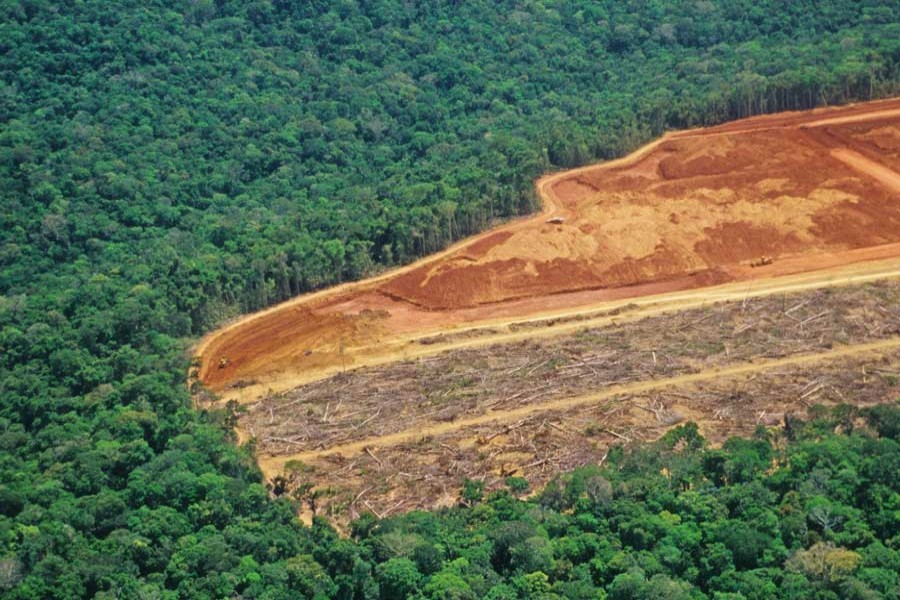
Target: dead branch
<point>375,458</point>
<point>375,512</point>
<point>618,435</point>
<point>814,318</point>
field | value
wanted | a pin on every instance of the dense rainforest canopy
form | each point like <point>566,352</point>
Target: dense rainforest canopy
<point>166,165</point>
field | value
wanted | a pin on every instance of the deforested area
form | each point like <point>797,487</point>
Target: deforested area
<point>372,402</point>
<point>170,167</point>
<point>429,470</point>
<point>789,196</point>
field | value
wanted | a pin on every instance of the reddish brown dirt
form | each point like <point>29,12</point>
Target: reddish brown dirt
<point>809,189</point>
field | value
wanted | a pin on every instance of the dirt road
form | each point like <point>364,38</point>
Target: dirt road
<point>886,176</point>
<point>506,330</point>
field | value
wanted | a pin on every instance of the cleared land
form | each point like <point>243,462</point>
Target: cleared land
<point>813,191</point>
<point>723,276</point>
<point>405,435</point>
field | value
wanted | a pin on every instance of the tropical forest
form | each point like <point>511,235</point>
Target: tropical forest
<point>170,168</point>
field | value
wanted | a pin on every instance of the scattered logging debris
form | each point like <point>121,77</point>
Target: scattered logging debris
<point>376,401</point>
<point>409,396</point>
<point>429,472</point>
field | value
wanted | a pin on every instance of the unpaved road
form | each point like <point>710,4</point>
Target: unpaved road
<point>316,335</point>
<point>884,175</point>
<point>498,331</point>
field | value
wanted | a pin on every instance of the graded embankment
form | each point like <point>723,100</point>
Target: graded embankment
<point>780,196</point>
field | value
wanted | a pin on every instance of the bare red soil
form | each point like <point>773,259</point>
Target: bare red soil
<point>801,190</point>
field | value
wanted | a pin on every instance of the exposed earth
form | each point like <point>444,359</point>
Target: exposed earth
<point>406,435</point>
<point>775,203</point>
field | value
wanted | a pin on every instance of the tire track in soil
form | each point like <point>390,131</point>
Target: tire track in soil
<point>887,177</point>
<point>606,313</point>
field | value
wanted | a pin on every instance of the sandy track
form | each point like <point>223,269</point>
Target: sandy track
<point>315,335</point>
<point>276,464</point>
<point>884,175</point>
<point>559,322</point>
